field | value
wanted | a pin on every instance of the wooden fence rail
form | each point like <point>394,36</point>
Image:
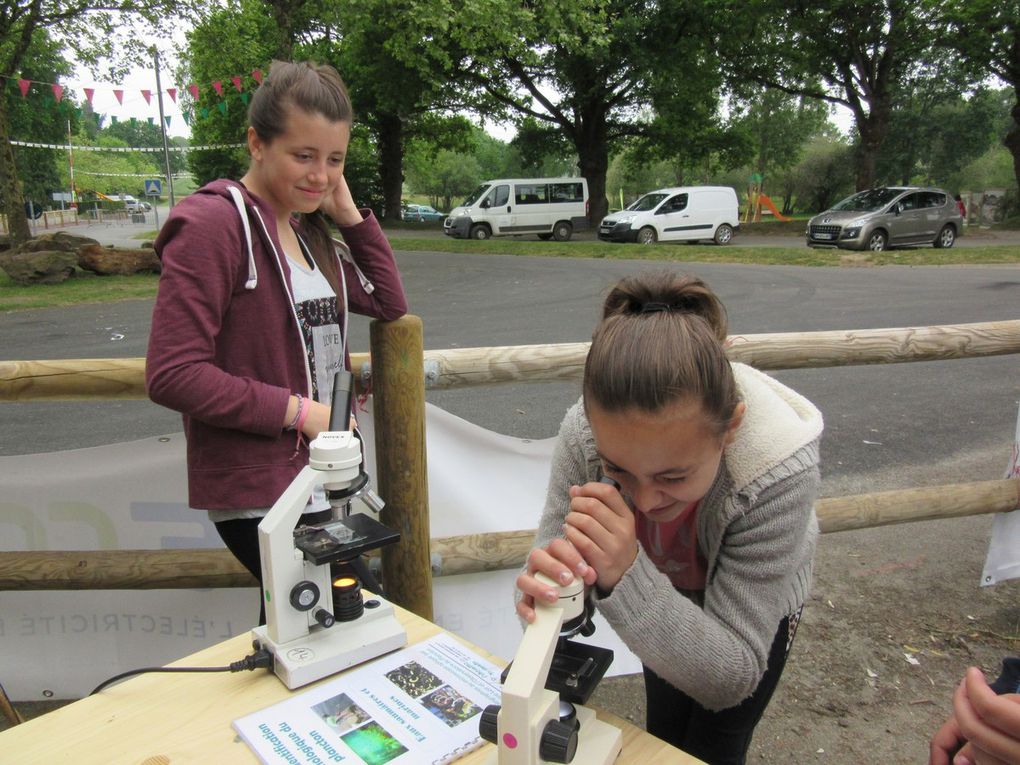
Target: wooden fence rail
<point>77,379</point>
<point>472,553</point>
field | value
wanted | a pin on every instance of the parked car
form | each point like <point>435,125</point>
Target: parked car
<point>422,213</point>
<point>133,205</point>
<point>888,216</point>
<point>687,213</point>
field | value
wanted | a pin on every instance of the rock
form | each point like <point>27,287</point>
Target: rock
<point>57,240</point>
<point>108,261</point>
<point>46,267</point>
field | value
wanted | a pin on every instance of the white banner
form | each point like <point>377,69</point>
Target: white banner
<point>134,496</point>
<point>1003,560</point>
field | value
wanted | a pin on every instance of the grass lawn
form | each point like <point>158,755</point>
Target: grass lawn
<point>95,289</point>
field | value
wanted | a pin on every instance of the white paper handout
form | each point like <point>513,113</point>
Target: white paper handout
<point>419,705</point>
<point>1003,559</point>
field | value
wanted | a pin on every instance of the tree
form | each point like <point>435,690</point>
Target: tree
<point>445,176</point>
<point>987,33</point>
<point>37,117</point>
<point>863,54</point>
<point>590,69</point>
<point>824,174</point>
<point>91,26</point>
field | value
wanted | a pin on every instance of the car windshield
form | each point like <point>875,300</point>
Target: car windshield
<point>476,194</point>
<point>868,201</point>
<point>647,202</point>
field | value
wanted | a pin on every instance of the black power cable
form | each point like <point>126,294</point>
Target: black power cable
<point>262,659</point>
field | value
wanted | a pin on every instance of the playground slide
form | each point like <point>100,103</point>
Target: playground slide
<point>766,202</point>
<point>108,199</point>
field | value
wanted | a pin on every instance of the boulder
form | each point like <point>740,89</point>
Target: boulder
<point>108,261</point>
<point>46,267</point>
<point>57,240</point>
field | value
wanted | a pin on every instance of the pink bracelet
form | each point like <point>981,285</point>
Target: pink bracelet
<point>302,415</point>
<point>292,425</point>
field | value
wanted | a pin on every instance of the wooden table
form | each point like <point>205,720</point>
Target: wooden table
<point>169,719</point>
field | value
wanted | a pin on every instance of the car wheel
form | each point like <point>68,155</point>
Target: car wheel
<point>946,237</point>
<point>647,235</point>
<point>877,241</point>
<point>545,237</point>
<point>561,231</point>
<point>724,234</point>
<point>478,231</point>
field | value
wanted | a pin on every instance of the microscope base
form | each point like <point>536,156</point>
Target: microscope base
<point>325,652</point>
<point>598,743</point>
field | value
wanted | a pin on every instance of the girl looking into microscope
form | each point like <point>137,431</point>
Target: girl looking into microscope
<point>700,555</point>
<point>250,321</point>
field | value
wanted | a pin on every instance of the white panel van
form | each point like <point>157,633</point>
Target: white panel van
<point>684,213</point>
<point>552,208</point>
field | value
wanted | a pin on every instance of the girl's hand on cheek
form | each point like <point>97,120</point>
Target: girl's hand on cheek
<point>601,526</point>
<point>340,205</point>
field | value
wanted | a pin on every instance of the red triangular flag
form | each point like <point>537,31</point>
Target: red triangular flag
<point>237,82</point>
<point>120,96</point>
<point>89,92</point>
<point>218,87</point>
<point>193,90</point>
<point>147,95</point>
<point>24,85</point>
<point>58,92</point>
<point>172,92</point>
<point>257,74</point>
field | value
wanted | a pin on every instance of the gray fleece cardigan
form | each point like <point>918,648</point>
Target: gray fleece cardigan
<point>756,528</point>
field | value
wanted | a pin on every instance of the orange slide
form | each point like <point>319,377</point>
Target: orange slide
<point>764,200</point>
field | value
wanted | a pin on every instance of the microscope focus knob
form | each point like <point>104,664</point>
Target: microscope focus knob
<point>559,741</point>
<point>325,618</point>
<point>488,724</point>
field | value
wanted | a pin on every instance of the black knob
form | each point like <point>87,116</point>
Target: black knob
<point>304,595</point>
<point>488,724</point>
<point>559,741</point>
<point>325,618</point>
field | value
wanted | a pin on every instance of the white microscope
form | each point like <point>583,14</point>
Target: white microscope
<point>541,719</point>
<point>318,624</point>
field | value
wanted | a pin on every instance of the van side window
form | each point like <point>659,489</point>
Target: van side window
<point>565,192</point>
<point>673,204</point>
<point>499,196</point>
<point>531,194</point>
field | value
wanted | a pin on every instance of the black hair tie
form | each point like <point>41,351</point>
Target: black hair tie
<point>656,307</point>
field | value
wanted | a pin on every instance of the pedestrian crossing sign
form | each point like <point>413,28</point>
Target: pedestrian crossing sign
<point>153,187</point>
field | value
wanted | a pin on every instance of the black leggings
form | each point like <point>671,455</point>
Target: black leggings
<point>241,536</point>
<point>718,738</point>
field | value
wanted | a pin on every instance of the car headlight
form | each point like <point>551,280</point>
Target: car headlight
<point>850,232</point>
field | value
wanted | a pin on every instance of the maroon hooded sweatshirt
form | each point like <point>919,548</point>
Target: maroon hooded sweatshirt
<point>225,348</point>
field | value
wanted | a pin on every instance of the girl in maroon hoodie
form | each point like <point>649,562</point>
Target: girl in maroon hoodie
<point>250,322</point>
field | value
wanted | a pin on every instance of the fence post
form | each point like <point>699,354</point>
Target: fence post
<point>398,385</point>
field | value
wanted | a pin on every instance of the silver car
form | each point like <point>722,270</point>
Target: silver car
<point>890,216</point>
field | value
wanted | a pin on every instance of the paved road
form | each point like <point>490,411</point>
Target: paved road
<point>885,425</point>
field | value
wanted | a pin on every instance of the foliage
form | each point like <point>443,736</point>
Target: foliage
<point>38,118</point>
<point>864,54</point>
<point>823,176</point>
<point>445,177</point>
<point>987,34</point>
<point>237,37</point>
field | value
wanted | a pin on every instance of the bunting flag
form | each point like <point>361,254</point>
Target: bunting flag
<point>58,91</point>
<point>166,119</point>
<point>193,90</point>
<point>257,75</point>
<point>244,98</point>
<point>172,92</point>
<point>147,95</point>
<point>237,82</point>
<point>124,149</point>
<point>24,85</point>
<point>89,92</point>
<point>120,96</point>
<point>222,106</point>
<point>218,87</point>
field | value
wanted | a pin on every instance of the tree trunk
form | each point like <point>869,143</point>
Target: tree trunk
<point>1012,142</point>
<point>391,162</point>
<point>10,185</point>
<point>872,130</point>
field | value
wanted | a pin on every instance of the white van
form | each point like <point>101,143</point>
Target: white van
<point>552,208</point>
<point>684,213</point>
